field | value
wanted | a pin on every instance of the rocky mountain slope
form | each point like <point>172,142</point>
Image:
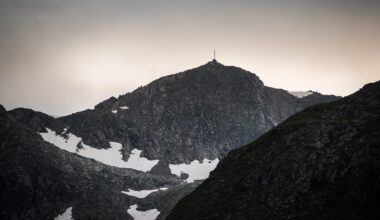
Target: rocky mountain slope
<point>198,114</point>
<point>143,142</point>
<point>40,181</point>
<point>322,163</point>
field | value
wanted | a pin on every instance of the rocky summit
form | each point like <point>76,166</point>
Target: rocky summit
<point>198,114</point>
<point>138,154</point>
<point>322,163</point>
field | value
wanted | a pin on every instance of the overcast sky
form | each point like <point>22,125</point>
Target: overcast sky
<point>63,56</point>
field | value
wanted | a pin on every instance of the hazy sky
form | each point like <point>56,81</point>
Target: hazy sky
<point>62,56</point>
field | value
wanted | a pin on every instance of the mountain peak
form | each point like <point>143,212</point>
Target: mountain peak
<point>213,62</point>
<point>212,65</point>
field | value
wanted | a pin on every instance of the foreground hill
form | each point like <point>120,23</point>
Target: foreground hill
<point>40,181</point>
<point>322,163</point>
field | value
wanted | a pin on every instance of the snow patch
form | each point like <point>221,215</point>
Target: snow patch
<point>64,131</point>
<point>124,107</point>
<point>142,215</point>
<point>114,111</point>
<point>67,215</point>
<point>301,94</point>
<point>69,144</point>
<point>135,161</point>
<point>111,156</point>
<point>142,193</point>
<point>195,170</point>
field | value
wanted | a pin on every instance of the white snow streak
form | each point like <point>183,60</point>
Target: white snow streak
<point>140,163</point>
<point>142,215</point>
<point>67,215</point>
<point>142,193</point>
<point>114,111</point>
<point>301,94</point>
<point>124,107</point>
<point>111,156</point>
<point>195,170</point>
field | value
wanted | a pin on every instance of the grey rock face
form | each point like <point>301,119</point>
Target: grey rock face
<point>39,181</point>
<point>36,121</point>
<point>2,109</point>
<point>201,113</point>
<point>322,163</point>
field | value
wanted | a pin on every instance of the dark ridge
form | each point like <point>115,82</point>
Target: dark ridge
<point>2,109</point>
<point>322,163</point>
<point>40,181</point>
<point>35,120</point>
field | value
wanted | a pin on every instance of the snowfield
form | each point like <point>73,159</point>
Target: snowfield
<point>142,193</point>
<point>195,170</point>
<point>111,156</point>
<point>301,94</point>
<point>135,161</point>
<point>124,107</point>
<point>67,215</point>
<point>142,215</point>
